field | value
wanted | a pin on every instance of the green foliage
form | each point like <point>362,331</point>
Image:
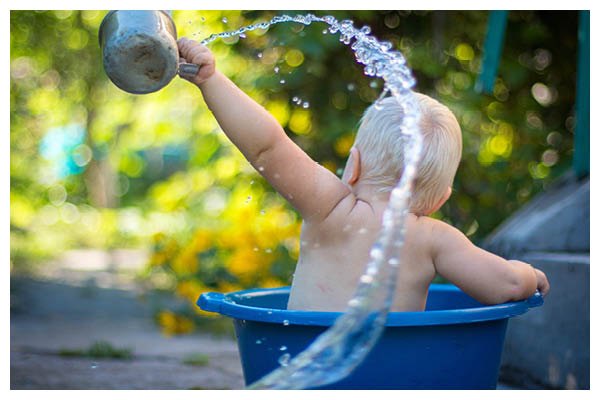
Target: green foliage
<point>100,349</point>
<point>155,170</point>
<point>197,359</point>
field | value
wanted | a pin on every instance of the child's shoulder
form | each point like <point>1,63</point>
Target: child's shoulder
<point>433,224</point>
<point>430,230</point>
<point>441,237</point>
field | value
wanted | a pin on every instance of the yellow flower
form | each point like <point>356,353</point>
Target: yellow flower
<point>158,258</point>
<point>191,290</point>
<point>246,263</point>
<point>186,262</point>
<point>342,145</point>
<point>172,324</point>
<point>158,237</point>
<point>202,241</point>
<point>228,287</point>
<point>235,237</point>
<point>163,252</point>
<point>271,282</point>
<point>270,226</point>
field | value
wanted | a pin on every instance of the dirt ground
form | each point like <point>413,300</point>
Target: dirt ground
<point>68,309</point>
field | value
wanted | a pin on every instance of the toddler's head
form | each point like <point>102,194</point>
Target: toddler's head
<point>382,149</point>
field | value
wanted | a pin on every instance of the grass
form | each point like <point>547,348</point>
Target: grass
<point>100,349</point>
<point>197,359</point>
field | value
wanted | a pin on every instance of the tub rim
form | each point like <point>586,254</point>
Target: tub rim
<point>225,304</point>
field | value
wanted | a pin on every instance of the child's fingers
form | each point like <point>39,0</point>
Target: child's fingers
<point>543,284</point>
<point>189,47</point>
<point>194,52</point>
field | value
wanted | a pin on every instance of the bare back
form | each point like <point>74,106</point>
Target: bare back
<point>334,254</point>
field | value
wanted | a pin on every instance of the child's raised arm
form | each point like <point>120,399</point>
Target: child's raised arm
<point>488,278</point>
<point>312,189</point>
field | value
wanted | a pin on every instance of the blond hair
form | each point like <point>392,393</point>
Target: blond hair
<point>381,144</point>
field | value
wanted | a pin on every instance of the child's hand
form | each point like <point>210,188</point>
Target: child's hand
<point>542,282</point>
<point>195,53</point>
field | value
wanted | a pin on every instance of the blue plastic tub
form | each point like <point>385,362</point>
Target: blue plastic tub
<point>456,343</point>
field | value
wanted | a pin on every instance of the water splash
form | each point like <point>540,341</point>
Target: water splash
<point>336,352</point>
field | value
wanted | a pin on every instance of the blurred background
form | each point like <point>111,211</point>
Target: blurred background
<point>148,188</point>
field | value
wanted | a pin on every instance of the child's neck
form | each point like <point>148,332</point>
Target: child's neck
<point>370,194</point>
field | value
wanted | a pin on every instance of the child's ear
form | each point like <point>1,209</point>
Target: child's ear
<point>441,202</point>
<point>355,157</point>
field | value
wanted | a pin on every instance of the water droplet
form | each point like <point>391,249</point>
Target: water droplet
<point>282,81</point>
<point>284,360</point>
<point>351,86</point>
<point>248,199</point>
<point>259,55</point>
<point>339,171</point>
<point>269,312</point>
<point>202,19</point>
<point>306,104</point>
<point>262,212</point>
<point>252,182</point>
<point>94,365</point>
<point>224,20</point>
<point>276,69</point>
<point>283,348</point>
<point>376,253</point>
<point>255,249</point>
<point>324,32</point>
<point>268,250</point>
<point>394,261</point>
<point>286,322</point>
<point>261,169</point>
<point>242,36</point>
<point>373,84</point>
<point>258,341</point>
<point>385,46</point>
<point>354,302</point>
<point>295,99</point>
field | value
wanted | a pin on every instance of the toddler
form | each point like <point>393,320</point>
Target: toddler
<point>342,217</point>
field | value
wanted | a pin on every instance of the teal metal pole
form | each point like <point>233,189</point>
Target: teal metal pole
<point>581,156</point>
<point>492,49</point>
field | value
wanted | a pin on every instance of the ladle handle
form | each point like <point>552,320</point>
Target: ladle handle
<point>188,70</point>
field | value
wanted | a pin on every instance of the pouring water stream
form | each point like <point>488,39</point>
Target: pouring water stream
<point>337,351</point>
